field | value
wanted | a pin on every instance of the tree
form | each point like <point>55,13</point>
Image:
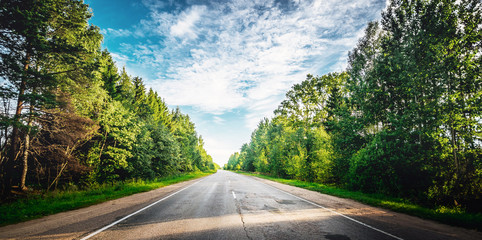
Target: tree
<point>306,103</point>
<point>35,36</point>
<point>110,74</point>
<point>125,88</point>
<point>109,154</point>
<point>56,146</point>
<point>167,153</point>
<point>405,118</point>
<point>415,84</point>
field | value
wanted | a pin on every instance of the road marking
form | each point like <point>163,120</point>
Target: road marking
<point>136,212</point>
<point>335,212</point>
<point>234,195</point>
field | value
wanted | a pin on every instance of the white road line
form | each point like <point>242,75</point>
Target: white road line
<point>136,212</point>
<point>234,195</point>
<point>335,212</point>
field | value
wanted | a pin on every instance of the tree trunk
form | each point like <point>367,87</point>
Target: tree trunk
<point>25,152</point>
<point>57,177</point>
<point>17,118</point>
<point>18,113</point>
<point>455,149</point>
<point>11,173</point>
<point>25,161</point>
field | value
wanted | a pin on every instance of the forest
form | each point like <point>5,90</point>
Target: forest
<point>70,116</point>
<point>404,118</point>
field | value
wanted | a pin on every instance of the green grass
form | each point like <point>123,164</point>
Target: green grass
<point>35,206</point>
<point>455,217</point>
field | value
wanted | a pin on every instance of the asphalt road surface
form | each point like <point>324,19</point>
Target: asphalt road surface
<point>226,205</point>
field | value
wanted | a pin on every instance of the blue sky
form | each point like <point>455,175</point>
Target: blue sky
<point>228,63</point>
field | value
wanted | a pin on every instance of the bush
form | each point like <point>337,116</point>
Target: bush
<point>389,164</point>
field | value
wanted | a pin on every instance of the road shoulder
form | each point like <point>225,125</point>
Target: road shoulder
<point>387,220</point>
<point>77,223</point>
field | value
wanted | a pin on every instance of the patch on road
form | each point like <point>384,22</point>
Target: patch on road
<point>284,201</point>
<point>336,237</point>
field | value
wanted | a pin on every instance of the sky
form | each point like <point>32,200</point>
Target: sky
<point>228,63</point>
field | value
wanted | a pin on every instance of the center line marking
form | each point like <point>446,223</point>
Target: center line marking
<point>234,195</point>
<point>332,211</point>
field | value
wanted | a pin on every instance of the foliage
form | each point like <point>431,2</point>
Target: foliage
<point>70,117</point>
<point>74,198</point>
<point>453,216</point>
<point>404,120</point>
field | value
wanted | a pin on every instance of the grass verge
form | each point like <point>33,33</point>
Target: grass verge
<point>455,217</point>
<point>36,206</point>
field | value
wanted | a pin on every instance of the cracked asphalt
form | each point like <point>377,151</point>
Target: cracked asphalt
<point>226,205</point>
<point>232,206</point>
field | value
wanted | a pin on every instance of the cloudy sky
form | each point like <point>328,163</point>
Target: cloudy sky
<point>228,63</point>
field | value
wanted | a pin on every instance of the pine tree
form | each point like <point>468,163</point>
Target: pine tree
<point>39,43</point>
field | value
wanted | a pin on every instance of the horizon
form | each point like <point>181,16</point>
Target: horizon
<point>228,64</point>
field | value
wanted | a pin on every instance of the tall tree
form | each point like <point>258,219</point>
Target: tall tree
<point>125,88</point>
<point>416,83</point>
<point>35,36</point>
<point>110,74</point>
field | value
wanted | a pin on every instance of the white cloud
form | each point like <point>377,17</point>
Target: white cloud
<point>120,59</point>
<point>262,109</point>
<point>185,26</point>
<point>239,54</point>
<point>244,53</point>
<point>154,4</point>
<point>116,32</point>
<point>218,120</point>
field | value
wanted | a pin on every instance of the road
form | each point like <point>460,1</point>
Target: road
<point>226,205</point>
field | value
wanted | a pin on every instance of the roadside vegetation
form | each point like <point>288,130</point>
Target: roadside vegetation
<point>36,205</point>
<point>451,216</point>
<point>70,117</point>
<point>403,121</point>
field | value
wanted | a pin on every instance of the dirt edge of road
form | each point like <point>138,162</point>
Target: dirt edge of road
<point>387,219</point>
<point>78,223</point>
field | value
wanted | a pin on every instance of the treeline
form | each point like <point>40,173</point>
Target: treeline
<point>403,120</point>
<point>69,116</point>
